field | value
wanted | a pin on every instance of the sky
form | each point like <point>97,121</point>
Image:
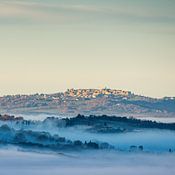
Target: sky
<point>48,46</point>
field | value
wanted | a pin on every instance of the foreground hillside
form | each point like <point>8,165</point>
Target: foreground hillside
<point>88,133</point>
<point>86,145</point>
<point>88,101</point>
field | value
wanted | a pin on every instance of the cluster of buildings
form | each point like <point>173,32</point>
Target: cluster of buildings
<point>93,93</point>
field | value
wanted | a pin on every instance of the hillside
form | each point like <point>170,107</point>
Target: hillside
<point>88,101</point>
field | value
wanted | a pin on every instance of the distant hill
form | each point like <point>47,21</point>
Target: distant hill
<point>87,102</point>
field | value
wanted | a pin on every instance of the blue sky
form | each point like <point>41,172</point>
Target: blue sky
<point>52,45</point>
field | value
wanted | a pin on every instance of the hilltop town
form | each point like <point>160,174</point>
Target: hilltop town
<point>87,101</point>
<point>94,93</point>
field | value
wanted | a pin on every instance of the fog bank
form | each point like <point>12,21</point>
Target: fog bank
<point>103,163</point>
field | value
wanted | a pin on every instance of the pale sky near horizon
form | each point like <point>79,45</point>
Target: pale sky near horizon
<point>48,46</point>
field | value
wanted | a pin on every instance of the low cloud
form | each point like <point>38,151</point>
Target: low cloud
<point>27,11</point>
<point>55,12</point>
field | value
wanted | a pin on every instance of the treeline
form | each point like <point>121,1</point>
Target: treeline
<point>104,119</point>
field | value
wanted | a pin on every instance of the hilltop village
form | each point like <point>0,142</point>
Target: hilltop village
<point>87,101</point>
